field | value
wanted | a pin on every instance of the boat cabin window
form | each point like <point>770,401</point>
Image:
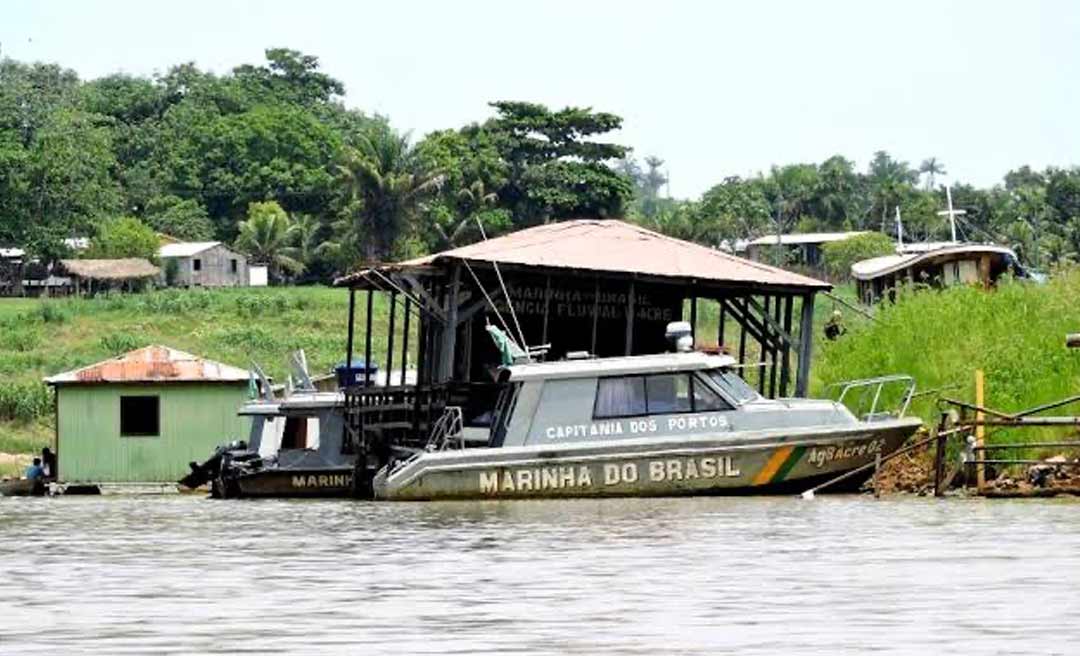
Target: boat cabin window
<point>504,410</point>
<point>733,385</point>
<point>295,434</point>
<point>620,397</point>
<point>655,394</point>
<point>706,399</point>
<point>668,393</point>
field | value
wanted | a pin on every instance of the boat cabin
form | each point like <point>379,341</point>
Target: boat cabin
<point>950,264</point>
<point>304,427</point>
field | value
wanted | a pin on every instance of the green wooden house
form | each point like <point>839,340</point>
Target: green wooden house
<point>143,416</point>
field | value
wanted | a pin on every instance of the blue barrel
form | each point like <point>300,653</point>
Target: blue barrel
<point>354,373</point>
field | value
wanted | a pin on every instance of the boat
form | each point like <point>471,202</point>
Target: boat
<point>677,423</point>
<point>22,487</point>
<point>295,448</point>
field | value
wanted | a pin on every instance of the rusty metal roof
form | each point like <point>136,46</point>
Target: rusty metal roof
<point>152,364</point>
<point>611,246</point>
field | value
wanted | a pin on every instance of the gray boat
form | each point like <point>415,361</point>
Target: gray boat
<point>295,449</point>
<point>682,423</point>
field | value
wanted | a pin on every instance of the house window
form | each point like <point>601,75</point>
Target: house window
<point>140,416</point>
<point>233,266</point>
<point>196,265</point>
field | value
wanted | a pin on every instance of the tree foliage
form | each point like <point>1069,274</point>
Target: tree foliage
<point>840,255</point>
<point>121,238</point>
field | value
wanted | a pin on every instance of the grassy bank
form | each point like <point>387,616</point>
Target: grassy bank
<point>237,326</point>
<point>1015,334</point>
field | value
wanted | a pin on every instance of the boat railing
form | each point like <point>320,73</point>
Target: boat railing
<point>447,427</point>
<point>866,387</point>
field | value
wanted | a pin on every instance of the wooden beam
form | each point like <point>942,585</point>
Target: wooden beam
<point>806,345</point>
<point>693,319</point>
<point>390,338</point>
<point>763,350</point>
<point>785,364</point>
<point>595,315</point>
<point>629,319</point>
<point>772,323</point>
<point>405,340</point>
<point>352,323</point>
<point>449,336</point>
<point>720,326</point>
<point>547,305</point>
<point>367,339</point>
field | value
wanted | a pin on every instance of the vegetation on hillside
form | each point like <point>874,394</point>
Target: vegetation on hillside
<point>1014,333</point>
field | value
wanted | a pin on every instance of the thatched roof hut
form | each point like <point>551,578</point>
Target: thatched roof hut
<point>90,275</point>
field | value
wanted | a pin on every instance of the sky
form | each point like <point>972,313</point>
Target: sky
<point>713,88</point>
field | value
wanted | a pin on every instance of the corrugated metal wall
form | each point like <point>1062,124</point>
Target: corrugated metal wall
<point>195,418</point>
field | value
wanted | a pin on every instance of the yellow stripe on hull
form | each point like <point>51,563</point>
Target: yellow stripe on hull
<point>772,465</point>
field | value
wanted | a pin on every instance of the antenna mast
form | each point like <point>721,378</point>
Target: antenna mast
<point>899,230</point>
<point>951,213</point>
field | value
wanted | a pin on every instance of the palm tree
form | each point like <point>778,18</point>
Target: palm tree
<point>931,167</point>
<point>266,236</point>
<point>385,183</point>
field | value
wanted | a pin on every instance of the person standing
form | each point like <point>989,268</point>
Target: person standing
<point>48,462</point>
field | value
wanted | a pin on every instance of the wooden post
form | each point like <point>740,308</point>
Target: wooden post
<point>742,336</point>
<point>595,316</point>
<point>352,323</point>
<point>693,319</point>
<point>405,339</point>
<point>939,456</point>
<point>720,326</point>
<point>877,471</point>
<point>630,320</point>
<point>449,336</point>
<point>390,339</point>
<point>980,430</point>
<point>367,339</point>
<point>763,346</point>
<point>806,345</point>
<point>785,364</point>
<point>547,305</point>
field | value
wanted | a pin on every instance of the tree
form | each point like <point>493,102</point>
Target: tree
<point>838,256</point>
<point>554,170</point>
<point>182,218</point>
<point>121,238</point>
<point>889,179</point>
<point>931,167</point>
<point>266,236</point>
<point>385,183</point>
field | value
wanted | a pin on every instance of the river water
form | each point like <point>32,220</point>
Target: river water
<point>840,574</point>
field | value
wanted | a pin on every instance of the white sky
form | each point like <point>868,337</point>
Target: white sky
<point>714,88</point>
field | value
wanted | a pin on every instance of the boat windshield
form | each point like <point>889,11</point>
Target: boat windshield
<point>733,384</point>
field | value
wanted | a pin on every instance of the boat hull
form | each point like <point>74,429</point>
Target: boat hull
<point>753,463</point>
<point>321,482</point>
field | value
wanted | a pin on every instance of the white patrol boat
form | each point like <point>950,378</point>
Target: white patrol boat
<point>679,423</point>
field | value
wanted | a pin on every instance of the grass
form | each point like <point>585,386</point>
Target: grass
<point>1014,333</point>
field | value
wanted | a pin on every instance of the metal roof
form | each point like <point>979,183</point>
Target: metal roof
<point>806,238</point>
<point>611,246</point>
<point>122,269</point>
<point>186,248</point>
<point>886,264</point>
<point>634,364</point>
<point>153,364</point>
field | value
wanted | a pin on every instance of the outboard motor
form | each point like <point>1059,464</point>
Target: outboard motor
<point>681,336</point>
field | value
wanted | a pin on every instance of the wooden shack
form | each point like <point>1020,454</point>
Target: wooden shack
<point>202,264</point>
<point>143,416</point>
<point>605,287</point>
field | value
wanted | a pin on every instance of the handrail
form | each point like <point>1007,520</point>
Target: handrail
<point>880,383</point>
<point>449,425</point>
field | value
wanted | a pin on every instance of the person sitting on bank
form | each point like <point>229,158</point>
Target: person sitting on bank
<point>48,462</point>
<point>34,472</point>
<point>834,327</point>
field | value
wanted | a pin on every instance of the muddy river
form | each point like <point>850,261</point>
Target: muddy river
<point>844,574</point>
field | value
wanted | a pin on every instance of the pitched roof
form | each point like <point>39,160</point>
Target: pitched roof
<point>611,246</point>
<point>806,238</point>
<point>186,248</point>
<point>124,269</point>
<point>152,364</point>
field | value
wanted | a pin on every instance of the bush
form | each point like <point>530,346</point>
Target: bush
<point>118,343</point>
<point>248,338</point>
<point>22,338</point>
<point>24,401</point>
<point>50,312</point>
<point>840,255</point>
